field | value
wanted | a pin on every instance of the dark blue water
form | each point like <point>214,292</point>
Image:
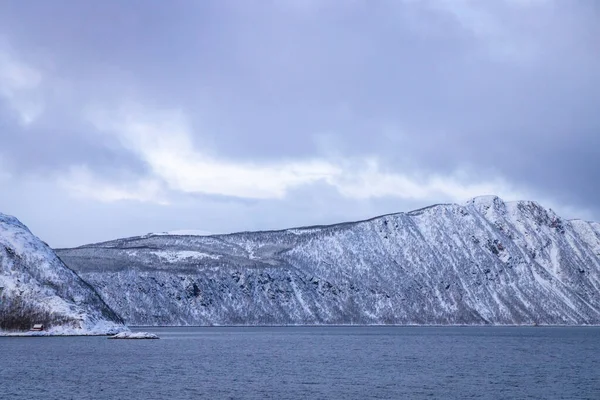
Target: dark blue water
<point>308,362</point>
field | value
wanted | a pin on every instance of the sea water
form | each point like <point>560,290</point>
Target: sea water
<point>309,362</point>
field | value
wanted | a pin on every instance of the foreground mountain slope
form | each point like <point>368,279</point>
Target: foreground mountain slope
<point>39,288</point>
<point>485,262</point>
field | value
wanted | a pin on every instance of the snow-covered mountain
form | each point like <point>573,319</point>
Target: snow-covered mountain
<point>484,262</point>
<point>39,289</point>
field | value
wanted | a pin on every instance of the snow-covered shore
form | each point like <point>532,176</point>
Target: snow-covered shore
<point>104,329</point>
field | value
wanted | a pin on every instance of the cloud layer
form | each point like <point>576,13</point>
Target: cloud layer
<point>226,115</point>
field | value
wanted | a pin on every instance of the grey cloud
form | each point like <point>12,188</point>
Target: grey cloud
<point>493,88</point>
<point>54,149</point>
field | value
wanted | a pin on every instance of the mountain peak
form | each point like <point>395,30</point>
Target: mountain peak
<point>10,220</point>
<point>487,204</point>
<point>489,199</point>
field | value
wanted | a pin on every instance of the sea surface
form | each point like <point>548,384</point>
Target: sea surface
<point>309,363</point>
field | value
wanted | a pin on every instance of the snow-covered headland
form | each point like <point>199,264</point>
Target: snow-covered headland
<point>37,288</point>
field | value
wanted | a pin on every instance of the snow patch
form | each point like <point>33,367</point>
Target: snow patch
<point>180,232</point>
<point>134,335</point>
<point>304,231</point>
<point>183,255</point>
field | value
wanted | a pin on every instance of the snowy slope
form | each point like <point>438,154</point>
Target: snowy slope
<point>39,288</point>
<point>484,262</point>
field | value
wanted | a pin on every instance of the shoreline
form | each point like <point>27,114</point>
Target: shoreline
<point>29,334</point>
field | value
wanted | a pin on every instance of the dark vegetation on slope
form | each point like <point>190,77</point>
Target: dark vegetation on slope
<point>19,315</point>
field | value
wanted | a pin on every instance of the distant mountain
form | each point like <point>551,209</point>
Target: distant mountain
<point>484,262</point>
<point>37,288</point>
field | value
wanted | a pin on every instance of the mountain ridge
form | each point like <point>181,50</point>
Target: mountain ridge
<point>302,227</point>
<point>486,261</point>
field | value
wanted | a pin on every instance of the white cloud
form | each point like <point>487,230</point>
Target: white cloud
<point>19,87</point>
<point>164,141</point>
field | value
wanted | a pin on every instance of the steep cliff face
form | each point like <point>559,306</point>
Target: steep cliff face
<point>39,289</point>
<point>485,262</point>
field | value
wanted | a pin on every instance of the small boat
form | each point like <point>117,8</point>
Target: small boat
<point>37,328</point>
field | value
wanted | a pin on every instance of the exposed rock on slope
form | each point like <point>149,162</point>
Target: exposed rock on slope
<point>486,262</point>
<point>39,289</point>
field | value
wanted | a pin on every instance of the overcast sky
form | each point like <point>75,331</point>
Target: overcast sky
<point>119,118</point>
